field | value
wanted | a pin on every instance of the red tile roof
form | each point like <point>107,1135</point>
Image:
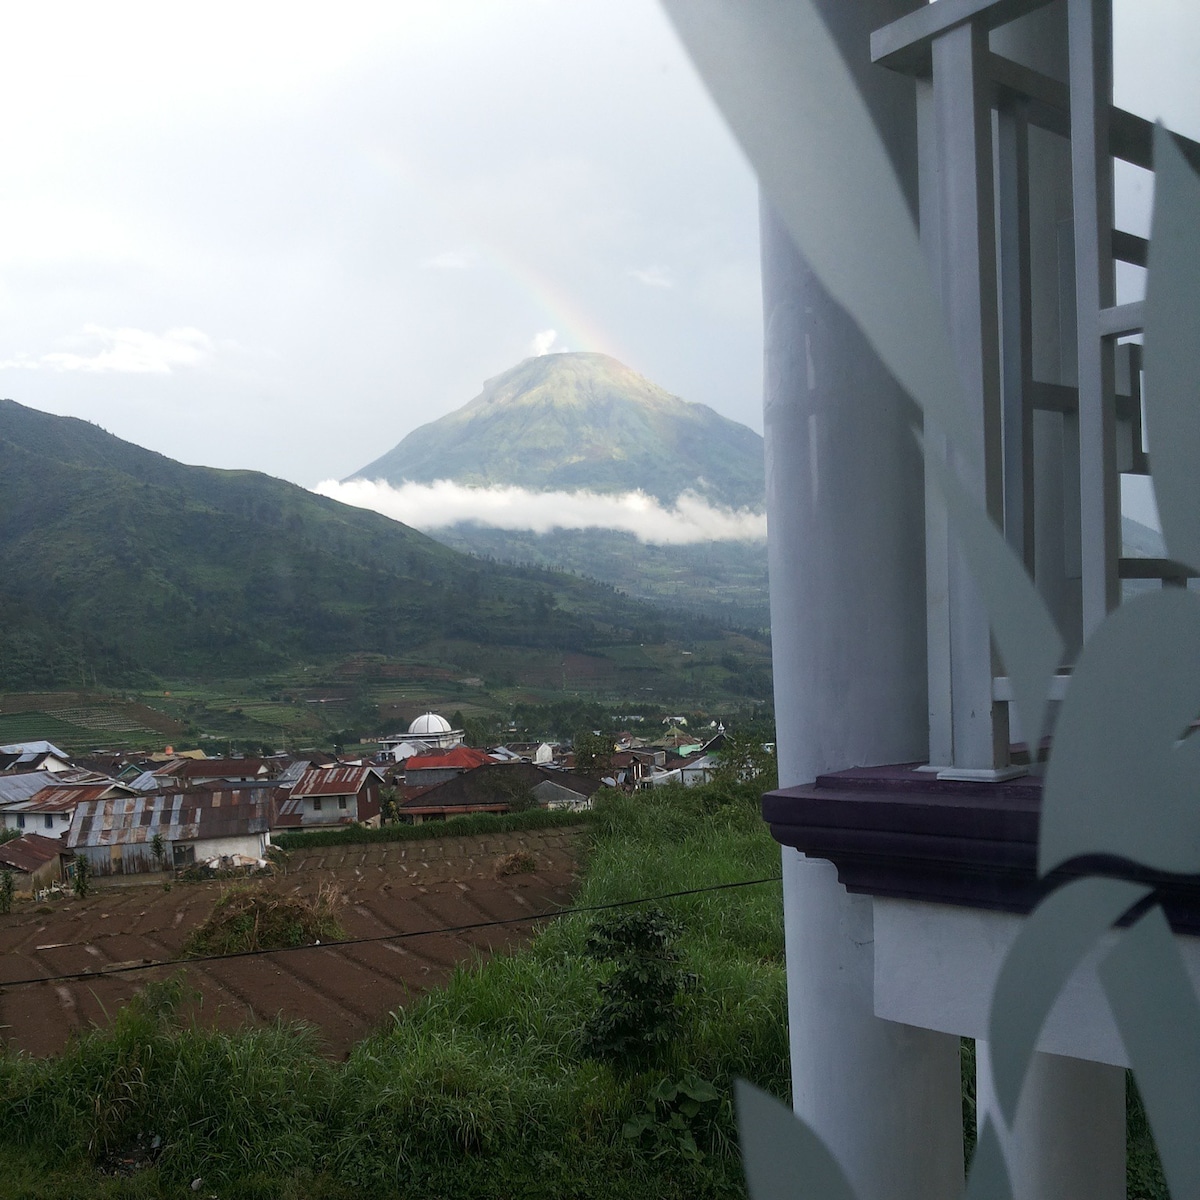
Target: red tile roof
<point>461,758</point>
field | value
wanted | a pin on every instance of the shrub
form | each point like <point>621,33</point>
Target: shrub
<point>254,918</point>
<point>638,1008</point>
<point>83,876</point>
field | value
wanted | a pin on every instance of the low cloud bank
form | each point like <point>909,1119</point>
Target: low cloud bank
<point>436,505</point>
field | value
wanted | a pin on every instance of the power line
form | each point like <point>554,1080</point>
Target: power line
<point>575,910</point>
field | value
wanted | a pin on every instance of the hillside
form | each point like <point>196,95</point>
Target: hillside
<point>118,564</point>
<point>723,581</point>
<point>581,421</point>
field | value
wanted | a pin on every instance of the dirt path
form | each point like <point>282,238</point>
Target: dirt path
<point>346,992</point>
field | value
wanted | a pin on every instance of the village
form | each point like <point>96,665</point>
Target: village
<point>163,813</point>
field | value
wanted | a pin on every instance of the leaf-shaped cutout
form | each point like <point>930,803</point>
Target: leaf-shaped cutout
<point>782,1157</point>
<point>1029,643</point>
<point>1120,780</point>
<point>1172,355</point>
<point>1049,946</point>
<point>989,1173</point>
<point>1159,1019</point>
<point>780,81</point>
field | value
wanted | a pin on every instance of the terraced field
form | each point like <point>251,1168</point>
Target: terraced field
<point>345,991</point>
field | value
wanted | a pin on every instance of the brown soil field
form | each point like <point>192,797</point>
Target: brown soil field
<point>346,992</point>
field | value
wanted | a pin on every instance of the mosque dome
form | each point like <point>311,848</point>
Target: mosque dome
<point>429,725</point>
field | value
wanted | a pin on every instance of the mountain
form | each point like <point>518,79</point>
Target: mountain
<point>585,421</point>
<point>582,421</point>
<point>122,564</point>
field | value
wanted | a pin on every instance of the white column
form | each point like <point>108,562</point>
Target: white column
<point>1068,1141</point>
<point>845,508</point>
<point>886,1098</point>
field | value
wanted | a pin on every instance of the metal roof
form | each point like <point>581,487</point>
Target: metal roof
<point>177,817</point>
<point>217,768</point>
<point>54,798</point>
<point>333,781</point>
<point>461,758</point>
<point>33,748</point>
<point>292,772</point>
<point>29,852</point>
<point>287,811</point>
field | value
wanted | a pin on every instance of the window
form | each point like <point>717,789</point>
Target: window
<point>341,802</point>
<point>48,820</point>
<point>21,821</point>
<point>316,804</point>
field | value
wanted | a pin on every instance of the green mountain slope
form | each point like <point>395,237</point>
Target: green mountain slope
<point>583,421</point>
<point>724,581</point>
<point>119,563</point>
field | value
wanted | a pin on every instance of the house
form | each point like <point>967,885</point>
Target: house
<point>336,795</point>
<point>116,835</point>
<point>50,809</point>
<point>541,753</point>
<point>638,767</point>
<point>690,770</point>
<point>186,771</point>
<point>908,816</point>
<point>426,770</point>
<point>33,861</point>
<point>500,787</point>
<point>34,756</point>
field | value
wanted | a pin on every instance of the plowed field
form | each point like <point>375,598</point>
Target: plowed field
<point>346,992</point>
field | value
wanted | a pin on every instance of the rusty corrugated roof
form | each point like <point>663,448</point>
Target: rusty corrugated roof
<point>333,781</point>
<point>177,817</point>
<point>30,851</point>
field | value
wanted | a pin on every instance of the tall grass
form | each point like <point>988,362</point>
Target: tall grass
<point>483,1088</point>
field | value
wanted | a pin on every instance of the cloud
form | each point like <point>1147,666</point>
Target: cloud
<point>444,502</point>
<point>450,260</point>
<point>653,276</point>
<point>132,351</point>
<point>543,342</point>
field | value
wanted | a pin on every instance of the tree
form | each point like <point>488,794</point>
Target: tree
<point>593,753</point>
<point>6,890</point>
<point>745,758</point>
<point>159,849</point>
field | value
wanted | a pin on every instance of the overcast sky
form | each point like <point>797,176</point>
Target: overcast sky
<point>283,235</point>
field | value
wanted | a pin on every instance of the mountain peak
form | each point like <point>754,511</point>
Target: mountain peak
<point>580,420</point>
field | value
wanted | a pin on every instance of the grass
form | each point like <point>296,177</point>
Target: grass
<point>482,1089</point>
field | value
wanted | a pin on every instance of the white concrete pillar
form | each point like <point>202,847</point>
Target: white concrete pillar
<point>886,1098</point>
<point>845,510</point>
<point>1068,1141</point>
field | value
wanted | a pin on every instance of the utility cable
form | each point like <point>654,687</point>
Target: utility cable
<point>575,910</point>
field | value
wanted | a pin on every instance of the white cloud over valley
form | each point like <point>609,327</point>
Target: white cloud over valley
<point>436,505</point>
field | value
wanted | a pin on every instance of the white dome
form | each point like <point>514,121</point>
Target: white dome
<point>429,724</point>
